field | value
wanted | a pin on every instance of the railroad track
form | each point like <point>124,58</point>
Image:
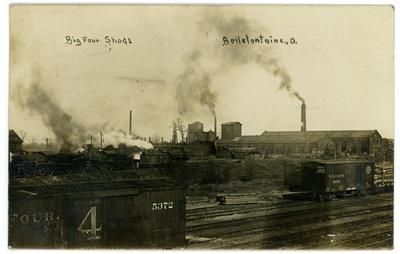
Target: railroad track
<point>270,225</point>
<point>224,210</point>
<point>281,211</point>
<point>290,226</point>
<point>209,212</point>
<point>339,237</point>
<point>311,238</point>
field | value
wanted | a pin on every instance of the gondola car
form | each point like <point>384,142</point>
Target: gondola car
<point>327,179</point>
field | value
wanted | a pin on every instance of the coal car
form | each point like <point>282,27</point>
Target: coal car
<point>327,179</point>
<point>62,212</point>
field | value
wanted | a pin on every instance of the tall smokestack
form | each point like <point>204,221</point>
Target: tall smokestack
<point>303,117</point>
<point>215,126</point>
<point>130,122</point>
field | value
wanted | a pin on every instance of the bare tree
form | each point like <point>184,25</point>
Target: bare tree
<point>181,128</point>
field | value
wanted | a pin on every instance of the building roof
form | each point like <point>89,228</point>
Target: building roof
<point>13,137</point>
<point>281,137</point>
<point>92,185</point>
<point>339,161</point>
<point>196,123</point>
<point>334,134</point>
<point>231,123</point>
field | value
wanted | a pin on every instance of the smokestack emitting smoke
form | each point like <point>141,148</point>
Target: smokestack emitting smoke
<point>215,126</point>
<point>303,117</point>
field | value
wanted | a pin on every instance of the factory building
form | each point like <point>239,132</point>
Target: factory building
<point>337,143</point>
<point>199,143</point>
<point>340,143</point>
<point>231,130</point>
<point>196,134</point>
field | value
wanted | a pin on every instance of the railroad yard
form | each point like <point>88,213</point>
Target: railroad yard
<point>255,221</point>
<point>208,204</point>
<point>220,127</point>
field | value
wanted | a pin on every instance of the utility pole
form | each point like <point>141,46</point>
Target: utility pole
<point>130,122</point>
<point>101,140</point>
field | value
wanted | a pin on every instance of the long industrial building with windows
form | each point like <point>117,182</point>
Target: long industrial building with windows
<point>354,142</point>
<point>333,142</point>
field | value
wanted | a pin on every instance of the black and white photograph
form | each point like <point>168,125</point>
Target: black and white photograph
<point>201,127</point>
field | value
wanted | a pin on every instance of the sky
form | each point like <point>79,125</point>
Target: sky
<point>177,66</point>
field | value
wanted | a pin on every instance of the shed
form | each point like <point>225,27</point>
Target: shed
<point>14,142</point>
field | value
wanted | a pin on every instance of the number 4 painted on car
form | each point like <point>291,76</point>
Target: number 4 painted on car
<point>92,231</point>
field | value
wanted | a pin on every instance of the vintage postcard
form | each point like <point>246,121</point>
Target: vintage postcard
<point>201,126</point>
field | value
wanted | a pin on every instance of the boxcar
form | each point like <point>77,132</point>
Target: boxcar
<point>292,176</point>
<point>154,158</point>
<point>112,214</point>
<point>325,179</point>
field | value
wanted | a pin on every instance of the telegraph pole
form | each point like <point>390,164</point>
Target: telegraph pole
<point>101,140</point>
<point>130,122</point>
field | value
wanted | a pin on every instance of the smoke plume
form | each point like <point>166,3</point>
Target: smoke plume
<point>272,65</point>
<point>262,56</point>
<point>115,138</point>
<point>68,132</point>
<point>194,84</point>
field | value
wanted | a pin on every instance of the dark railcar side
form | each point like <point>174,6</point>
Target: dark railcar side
<point>154,158</point>
<point>36,222</point>
<point>292,176</point>
<point>337,176</point>
<point>127,214</point>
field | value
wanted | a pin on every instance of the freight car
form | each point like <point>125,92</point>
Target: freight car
<point>40,163</point>
<point>107,161</point>
<point>154,158</point>
<point>177,153</point>
<point>43,164</point>
<point>55,213</point>
<point>327,179</point>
